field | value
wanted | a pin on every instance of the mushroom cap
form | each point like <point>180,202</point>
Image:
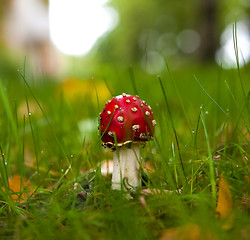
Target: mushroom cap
<point>126,119</point>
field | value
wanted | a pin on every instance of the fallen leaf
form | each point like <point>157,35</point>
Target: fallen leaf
<point>75,89</point>
<point>187,232</point>
<point>224,207</point>
<point>20,188</point>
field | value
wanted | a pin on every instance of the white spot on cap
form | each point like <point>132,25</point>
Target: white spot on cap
<point>135,127</point>
<point>143,136</point>
<point>111,134</point>
<point>147,113</point>
<point>127,100</point>
<point>120,119</point>
<point>116,106</point>
<point>124,94</point>
<point>108,112</point>
<point>134,109</point>
<point>153,122</point>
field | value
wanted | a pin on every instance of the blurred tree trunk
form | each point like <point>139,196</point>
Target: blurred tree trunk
<point>208,29</point>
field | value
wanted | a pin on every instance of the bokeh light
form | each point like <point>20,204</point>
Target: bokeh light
<point>188,40</point>
<point>167,44</point>
<point>76,25</point>
<point>225,55</point>
<point>152,62</point>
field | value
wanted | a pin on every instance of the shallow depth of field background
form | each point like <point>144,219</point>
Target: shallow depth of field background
<point>80,38</point>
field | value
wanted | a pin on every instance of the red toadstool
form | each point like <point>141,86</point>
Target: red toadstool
<point>125,122</point>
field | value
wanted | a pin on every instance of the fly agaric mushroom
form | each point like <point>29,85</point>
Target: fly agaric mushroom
<point>125,122</point>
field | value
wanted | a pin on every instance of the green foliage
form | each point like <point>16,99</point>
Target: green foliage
<point>68,197</point>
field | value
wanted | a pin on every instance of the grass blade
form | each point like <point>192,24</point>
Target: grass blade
<point>236,51</point>
<point>172,123</point>
<point>33,137</point>
<point>9,113</point>
<point>210,158</point>
<point>179,97</point>
<point>108,87</point>
<point>47,120</point>
<point>132,78</point>
<point>4,173</point>
<point>211,98</point>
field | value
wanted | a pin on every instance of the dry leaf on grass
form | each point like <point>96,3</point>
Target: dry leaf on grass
<point>187,232</point>
<point>20,188</point>
<point>224,210</point>
<point>224,207</point>
<point>75,89</point>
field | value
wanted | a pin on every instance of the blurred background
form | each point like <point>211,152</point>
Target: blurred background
<point>78,38</point>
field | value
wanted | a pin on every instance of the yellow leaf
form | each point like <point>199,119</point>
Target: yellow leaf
<point>19,188</point>
<point>75,89</point>
<point>187,232</point>
<point>224,207</point>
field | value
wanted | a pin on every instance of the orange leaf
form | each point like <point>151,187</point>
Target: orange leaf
<point>225,202</point>
<point>224,207</point>
<point>187,232</point>
<point>19,191</point>
<point>75,89</point>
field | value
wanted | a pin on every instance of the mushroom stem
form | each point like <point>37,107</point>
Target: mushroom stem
<point>126,168</point>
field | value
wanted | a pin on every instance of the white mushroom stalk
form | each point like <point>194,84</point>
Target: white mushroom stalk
<point>126,168</point>
<point>126,122</point>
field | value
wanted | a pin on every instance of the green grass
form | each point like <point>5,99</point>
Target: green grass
<point>202,132</point>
